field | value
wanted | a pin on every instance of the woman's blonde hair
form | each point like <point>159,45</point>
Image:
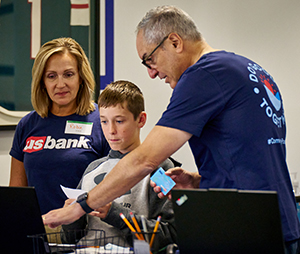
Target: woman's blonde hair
<point>40,99</point>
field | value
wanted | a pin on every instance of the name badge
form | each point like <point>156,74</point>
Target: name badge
<point>75,127</point>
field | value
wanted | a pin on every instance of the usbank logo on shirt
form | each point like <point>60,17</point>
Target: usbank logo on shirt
<point>34,144</point>
<point>271,103</point>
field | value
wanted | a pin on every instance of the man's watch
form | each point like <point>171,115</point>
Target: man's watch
<point>81,199</point>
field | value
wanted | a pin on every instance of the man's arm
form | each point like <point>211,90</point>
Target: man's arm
<point>157,147</point>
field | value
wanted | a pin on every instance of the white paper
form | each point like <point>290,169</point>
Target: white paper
<point>72,193</point>
<point>108,249</point>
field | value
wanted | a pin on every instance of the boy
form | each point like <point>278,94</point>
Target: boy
<point>122,115</point>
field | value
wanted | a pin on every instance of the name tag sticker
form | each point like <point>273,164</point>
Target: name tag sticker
<point>75,127</point>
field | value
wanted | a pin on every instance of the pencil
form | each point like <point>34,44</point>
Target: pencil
<point>136,225</point>
<point>154,231</point>
<point>129,225</point>
<point>145,228</point>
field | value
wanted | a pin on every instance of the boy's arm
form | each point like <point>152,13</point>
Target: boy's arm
<point>73,232</point>
<point>166,230</point>
<point>163,207</point>
<point>157,207</point>
<point>113,217</point>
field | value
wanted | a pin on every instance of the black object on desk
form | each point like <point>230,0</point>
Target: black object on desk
<point>227,221</point>
<point>20,216</point>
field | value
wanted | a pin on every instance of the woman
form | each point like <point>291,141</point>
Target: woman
<point>54,143</point>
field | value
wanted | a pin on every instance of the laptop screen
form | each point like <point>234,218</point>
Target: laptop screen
<point>20,216</point>
<point>227,221</point>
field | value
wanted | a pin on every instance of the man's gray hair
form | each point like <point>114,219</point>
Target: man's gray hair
<point>163,20</point>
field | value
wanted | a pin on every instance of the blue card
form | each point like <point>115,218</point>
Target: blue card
<point>163,181</point>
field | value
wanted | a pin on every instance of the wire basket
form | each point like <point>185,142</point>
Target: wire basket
<point>76,241</point>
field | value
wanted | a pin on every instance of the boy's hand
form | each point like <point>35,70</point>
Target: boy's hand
<point>102,211</point>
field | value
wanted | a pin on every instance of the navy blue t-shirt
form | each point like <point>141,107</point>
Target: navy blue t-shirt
<point>56,151</point>
<point>233,109</point>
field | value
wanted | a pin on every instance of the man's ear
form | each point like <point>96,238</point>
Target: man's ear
<point>176,41</point>
<point>142,119</point>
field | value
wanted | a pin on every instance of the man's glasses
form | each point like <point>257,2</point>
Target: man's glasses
<point>147,58</point>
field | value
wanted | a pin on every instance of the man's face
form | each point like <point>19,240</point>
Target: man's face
<point>163,61</point>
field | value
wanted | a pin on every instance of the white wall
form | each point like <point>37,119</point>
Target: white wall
<point>6,138</point>
<point>267,31</point>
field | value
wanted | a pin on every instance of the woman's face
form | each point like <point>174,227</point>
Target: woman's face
<point>62,82</point>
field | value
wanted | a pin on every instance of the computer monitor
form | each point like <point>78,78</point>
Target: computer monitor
<point>21,217</point>
<point>227,221</point>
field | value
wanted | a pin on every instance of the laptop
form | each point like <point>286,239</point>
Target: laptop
<point>20,216</point>
<point>226,221</point>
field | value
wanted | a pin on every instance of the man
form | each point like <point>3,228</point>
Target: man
<point>227,107</point>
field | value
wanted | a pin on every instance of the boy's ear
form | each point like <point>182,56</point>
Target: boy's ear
<point>142,119</point>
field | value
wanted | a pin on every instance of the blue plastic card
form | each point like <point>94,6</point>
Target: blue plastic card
<point>163,181</point>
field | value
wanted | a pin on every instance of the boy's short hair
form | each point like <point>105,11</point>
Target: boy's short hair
<point>125,93</point>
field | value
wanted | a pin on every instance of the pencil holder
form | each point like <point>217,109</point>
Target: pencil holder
<point>144,242</point>
<point>145,236</point>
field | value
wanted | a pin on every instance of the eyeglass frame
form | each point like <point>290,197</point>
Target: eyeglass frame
<point>152,52</point>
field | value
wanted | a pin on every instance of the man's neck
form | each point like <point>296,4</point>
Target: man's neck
<point>199,49</point>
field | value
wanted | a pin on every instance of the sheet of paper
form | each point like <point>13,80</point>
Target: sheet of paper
<point>109,248</point>
<point>72,193</point>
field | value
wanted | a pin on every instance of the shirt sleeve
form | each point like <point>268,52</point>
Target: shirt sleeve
<point>196,99</point>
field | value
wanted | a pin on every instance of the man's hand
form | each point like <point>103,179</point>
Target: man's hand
<point>184,179</point>
<point>63,216</point>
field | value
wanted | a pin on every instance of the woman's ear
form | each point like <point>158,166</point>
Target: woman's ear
<point>142,119</point>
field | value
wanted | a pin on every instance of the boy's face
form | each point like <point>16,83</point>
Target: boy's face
<point>120,129</point>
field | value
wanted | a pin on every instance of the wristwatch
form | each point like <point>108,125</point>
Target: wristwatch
<point>81,199</point>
